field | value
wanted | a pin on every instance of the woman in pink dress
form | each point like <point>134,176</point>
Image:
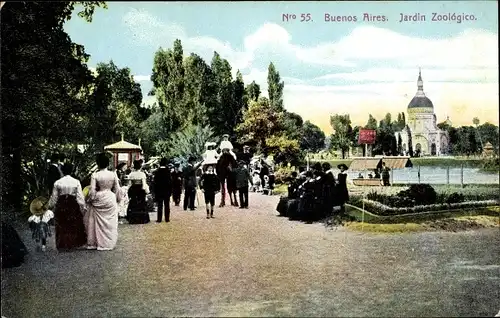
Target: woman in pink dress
<point>102,207</point>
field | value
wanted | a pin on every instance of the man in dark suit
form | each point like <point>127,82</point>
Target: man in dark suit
<point>190,183</point>
<point>163,189</point>
<point>54,172</point>
<point>176,184</point>
<point>246,156</point>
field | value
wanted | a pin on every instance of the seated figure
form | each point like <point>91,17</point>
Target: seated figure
<point>210,156</point>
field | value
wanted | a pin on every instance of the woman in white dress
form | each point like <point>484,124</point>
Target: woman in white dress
<point>68,204</point>
<point>102,207</point>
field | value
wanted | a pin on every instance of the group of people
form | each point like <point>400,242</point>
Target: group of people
<point>91,221</point>
<point>384,171</point>
<point>313,194</point>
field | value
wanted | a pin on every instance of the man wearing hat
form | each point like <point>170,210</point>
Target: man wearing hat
<point>343,193</point>
<point>190,183</point>
<point>242,179</point>
<point>54,172</point>
<point>246,156</point>
<point>176,183</point>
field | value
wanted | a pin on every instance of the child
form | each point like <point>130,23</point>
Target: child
<point>210,185</point>
<point>38,222</point>
<point>242,180</point>
<point>256,182</point>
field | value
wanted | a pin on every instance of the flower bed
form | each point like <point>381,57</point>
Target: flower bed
<point>382,209</point>
<point>424,198</point>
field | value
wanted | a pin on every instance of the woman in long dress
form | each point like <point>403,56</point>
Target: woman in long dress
<point>137,212</point>
<point>68,204</point>
<point>102,207</point>
<point>343,193</point>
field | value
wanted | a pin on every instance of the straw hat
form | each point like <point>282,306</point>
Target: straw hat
<point>39,206</point>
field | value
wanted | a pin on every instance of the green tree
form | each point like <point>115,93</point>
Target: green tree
<point>372,123</point>
<point>200,89</point>
<point>45,88</point>
<point>123,100</point>
<point>260,122</point>
<point>292,124</point>
<point>224,115</point>
<point>252,91</point>
<point>313,138</point>
<point>188,142</point>
<point>341,138</point>
<point>275,88</point>
<point>169,86</point>
<point>239,101</point>
<point>489,133</point>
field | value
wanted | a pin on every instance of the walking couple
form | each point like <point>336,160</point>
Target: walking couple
<point>92,221</point>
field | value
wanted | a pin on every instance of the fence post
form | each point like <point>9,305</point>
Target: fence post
<point>448,174</point>
<point>462,175</point>
<point>418,174</point>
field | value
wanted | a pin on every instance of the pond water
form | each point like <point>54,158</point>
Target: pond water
<point>437,175</point>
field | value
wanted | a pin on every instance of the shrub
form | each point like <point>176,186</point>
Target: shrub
<point>282,174</point>
<point>421,194</point>
<point>455,197</point>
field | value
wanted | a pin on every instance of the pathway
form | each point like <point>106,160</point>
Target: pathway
<point>253,263</point>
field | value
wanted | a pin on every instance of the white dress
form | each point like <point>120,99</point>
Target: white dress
<point>210,157</point>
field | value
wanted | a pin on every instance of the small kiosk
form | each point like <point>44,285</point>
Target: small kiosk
<point>124,151</point>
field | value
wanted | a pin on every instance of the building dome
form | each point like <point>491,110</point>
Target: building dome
<point>420,100</point>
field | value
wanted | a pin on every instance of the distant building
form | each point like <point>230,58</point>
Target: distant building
<point>421,132</point>
<point>488,150</point>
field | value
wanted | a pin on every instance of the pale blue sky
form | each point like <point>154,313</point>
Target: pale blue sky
<point>319,61</point>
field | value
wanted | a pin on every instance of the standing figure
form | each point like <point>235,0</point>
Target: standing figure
<point>190,183</point>
<point>246,156</point>
<point>163,189</point>
<point>102,207</point>
<point>137,210</point>
<point>54,172</point>
<point>210,185</point>
<point>242,179</point>
<point>68,204</point>
<point>386,174</point>
<point>39,222</point>
<point>223,170</point>
<point>176,184</point>
<point>343,193</point>
<point>231,184</point>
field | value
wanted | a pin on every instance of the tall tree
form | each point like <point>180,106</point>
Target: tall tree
<point>372,123</point>
<point>252,91</point>
<point>275,88</point>
<point>239,101</point>
<point>199,89</point>
<point>45,86</point>
<point>489,133</point>
<point>124,97</point>
<point>341,138</point>
<point>313,138</point>
<point>260,122</point>
<point>169,86</point>
<point>223,116</point>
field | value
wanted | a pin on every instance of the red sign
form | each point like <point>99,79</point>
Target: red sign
<point>367,136</point>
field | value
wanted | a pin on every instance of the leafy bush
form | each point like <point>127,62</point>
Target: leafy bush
<point>421,194</point>
<point>282,174</point>
<point>455,197</point>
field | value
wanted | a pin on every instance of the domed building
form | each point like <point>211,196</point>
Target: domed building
<point>421,133</point>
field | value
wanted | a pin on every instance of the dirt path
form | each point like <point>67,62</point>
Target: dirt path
<point>253,263</point>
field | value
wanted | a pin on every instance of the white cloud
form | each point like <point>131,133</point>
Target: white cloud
<point>460,72</point>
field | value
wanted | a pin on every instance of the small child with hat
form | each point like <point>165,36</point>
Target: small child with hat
<point>39,222</point>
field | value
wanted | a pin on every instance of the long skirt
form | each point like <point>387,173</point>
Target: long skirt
<point>137,212</point>
<point>102,221</point>
<point>69,226</point>
<point>13,249</point>
<point>123,205</point>
<point>282,206</point>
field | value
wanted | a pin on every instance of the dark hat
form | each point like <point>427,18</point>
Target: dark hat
<point>342,165</point>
